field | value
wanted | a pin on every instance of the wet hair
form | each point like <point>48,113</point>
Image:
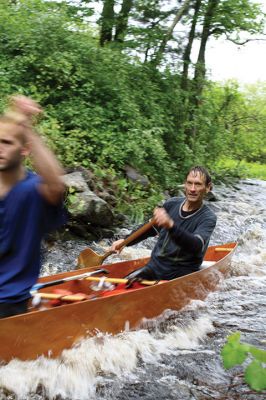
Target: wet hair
<point>202,171</point>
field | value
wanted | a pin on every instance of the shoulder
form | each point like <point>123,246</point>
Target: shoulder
<point>32,178</point>
<point>209,213</point>
<point>29,185</point>
<point>173,201</point>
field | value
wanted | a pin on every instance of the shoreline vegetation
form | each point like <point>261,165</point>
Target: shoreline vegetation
<point>246,169</point>
<point>124,91</point>
<point>133,198</point>
<point>140,202</point>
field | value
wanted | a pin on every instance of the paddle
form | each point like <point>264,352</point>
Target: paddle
<point>39,286</point>
<point>88,258</point>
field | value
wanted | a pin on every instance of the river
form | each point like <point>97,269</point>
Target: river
<point>179,357</point>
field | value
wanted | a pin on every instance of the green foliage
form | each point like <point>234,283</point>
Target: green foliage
<point>100,107</point>
<point>136,201</point>
<point>133,199</point>
<point>235,16</point>
<point>105,110</point>
<point>231,123</point>
<point>227,169</point>
<point>147,33</point>
<point>255,376</point>
<point>234,353</point>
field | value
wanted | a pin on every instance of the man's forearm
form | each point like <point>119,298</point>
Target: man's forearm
<point>45,162</point>
<point>47,166</point>
<point>22,111</point>
<point>188,241</point>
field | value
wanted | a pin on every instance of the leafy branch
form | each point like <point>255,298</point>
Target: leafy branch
<point>235,353</point>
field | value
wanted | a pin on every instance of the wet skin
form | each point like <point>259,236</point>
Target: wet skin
<point>195,190</point>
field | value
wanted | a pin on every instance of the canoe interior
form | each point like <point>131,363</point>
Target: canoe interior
<point>119,270</point>
<point>47,330</point>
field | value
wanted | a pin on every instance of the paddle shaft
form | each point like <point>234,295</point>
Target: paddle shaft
<point>88,258</point>
<point>130,238</point>
<point>137,233</point>
<point>39,286</point>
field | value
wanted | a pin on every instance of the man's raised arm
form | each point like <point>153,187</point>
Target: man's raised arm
<point>23,109</point>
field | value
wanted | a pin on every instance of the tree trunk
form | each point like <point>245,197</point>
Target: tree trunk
<point>187,52</point>
<point>199,75</point>
<point>122,21</point>
<point>107,22</point>
<point>159,55</point>
<point>200,68</point>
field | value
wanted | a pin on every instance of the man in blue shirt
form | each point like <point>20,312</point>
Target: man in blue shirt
<point>184,226</point>
<point>31,204</point>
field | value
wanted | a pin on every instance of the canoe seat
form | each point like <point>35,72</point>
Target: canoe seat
<point>206,264</point>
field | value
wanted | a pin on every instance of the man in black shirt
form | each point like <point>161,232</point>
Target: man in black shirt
<point>184,226</point>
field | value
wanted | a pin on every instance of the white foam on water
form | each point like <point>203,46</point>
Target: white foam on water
<point>195,305</point>
<point>250,258</point>
<point>188,337</point>
<point>130,253</point>
<point>76,373</point>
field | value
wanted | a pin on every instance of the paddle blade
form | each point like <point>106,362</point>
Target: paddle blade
<point>88,258</point>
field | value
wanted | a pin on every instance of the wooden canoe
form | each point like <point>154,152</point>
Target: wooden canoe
<point>47,332</point>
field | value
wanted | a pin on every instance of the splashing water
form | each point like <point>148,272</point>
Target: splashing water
<point>179,357</point>
<point>75,374</point>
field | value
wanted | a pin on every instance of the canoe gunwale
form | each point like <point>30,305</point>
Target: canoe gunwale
<point>38,333</point>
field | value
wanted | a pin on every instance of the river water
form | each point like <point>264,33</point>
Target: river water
<point>179,357</point>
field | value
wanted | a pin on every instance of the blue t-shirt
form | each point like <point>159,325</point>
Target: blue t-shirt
<point>25,218</point>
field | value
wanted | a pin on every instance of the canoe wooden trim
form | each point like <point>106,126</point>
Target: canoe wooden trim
<point>118,280</point>
<point>55,296</point>
<point>226,249</point>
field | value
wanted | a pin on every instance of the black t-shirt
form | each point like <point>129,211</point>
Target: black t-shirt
<point>169,258</point>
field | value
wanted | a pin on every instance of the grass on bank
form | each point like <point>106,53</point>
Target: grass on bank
<point>227,168</point>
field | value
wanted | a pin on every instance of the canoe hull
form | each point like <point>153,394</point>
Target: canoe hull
<point>50,331</point>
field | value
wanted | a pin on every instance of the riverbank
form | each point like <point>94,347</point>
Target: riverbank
<point>100,203</point>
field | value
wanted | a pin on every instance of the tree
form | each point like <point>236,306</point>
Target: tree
<point>225,17</point>
<point>114,26</point>
<point>122,21</point>
<point>186,61</point>
<point>200,68</point>
<point>107,22</point>
<point>169,33</point>
<point>98,97</point>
